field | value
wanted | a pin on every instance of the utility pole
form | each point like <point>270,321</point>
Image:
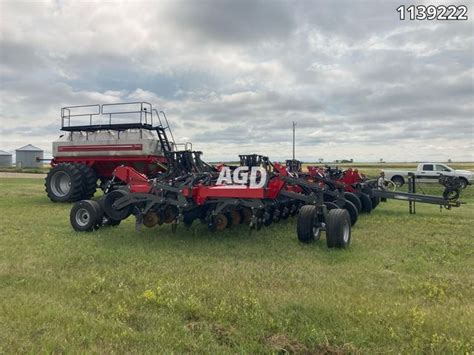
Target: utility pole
<point>294,128</point>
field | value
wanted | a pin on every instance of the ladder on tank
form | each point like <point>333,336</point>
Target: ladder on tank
<point>167,145</point>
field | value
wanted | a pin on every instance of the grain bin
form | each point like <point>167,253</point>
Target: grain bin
<point>5,158</point>
<point>27,157</point>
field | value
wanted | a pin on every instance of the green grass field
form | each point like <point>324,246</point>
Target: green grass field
<point>405,285</point>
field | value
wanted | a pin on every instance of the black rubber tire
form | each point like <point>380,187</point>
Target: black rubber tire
<point>399,181</point>
<point>108,200</point>
<point>331,205</point>
<point>463,182</point>
<point>353,213</point>
<point>89,181</point>
<point>106,220</point>
<point>354,199</point>
<point>85,216</point>
<point>57,193</point>
<point>366,203</point>
<point>375,201</point>
<point>338,229</point>
<point>306,225</point>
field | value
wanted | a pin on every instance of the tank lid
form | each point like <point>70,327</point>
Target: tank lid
<point>29,148</point>
<point>2,152</point>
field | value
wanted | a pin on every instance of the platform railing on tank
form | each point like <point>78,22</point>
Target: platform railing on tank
<point>140,115</point>
<point>66,113</point>
<point>120,116</point>
<point>145,111</point>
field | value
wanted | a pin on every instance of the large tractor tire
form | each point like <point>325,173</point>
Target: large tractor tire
<point>352,209</point>
<point>64,183</point>
<point>338,229</point>
<point>86,216</point>
<point>367,206</point>
<point>354,199</point>
<point>89,181</point>
<point>307,226</point>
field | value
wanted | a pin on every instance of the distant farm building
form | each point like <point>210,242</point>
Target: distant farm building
<point>29,156</point>
<point>5,158</point>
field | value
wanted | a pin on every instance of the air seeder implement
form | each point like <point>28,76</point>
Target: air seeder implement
<point>128,150</point>
<point>188,191</point>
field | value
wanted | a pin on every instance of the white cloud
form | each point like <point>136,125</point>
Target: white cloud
<point>233,75</point>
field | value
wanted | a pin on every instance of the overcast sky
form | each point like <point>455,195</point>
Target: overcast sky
<point>233,75</point>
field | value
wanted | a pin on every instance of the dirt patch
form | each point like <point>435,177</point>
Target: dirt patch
<point>22,175</point>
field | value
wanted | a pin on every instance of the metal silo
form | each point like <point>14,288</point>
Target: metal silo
<point>5,158</point>
<point>27,157</point>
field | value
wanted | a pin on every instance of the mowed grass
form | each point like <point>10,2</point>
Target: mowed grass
<point>405,285</point>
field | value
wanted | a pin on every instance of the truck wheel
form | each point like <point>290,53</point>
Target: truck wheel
<point>463,183</point>
<point>398,181</point>
<point>308,228</point>
<point>366,203</point>
<point>349,207</point>
<point>85,216</point>
<point>354,199</point>
<point>338,229</point>
<point>89,180</point>
<point>64,183</point>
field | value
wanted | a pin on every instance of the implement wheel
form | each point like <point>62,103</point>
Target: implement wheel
<point>375,201</point>
<point>331,205</point>
<point>64,183</point>
<point>354,199</point>
<point>349,207</point>
<point>85,216</point>
<point>308,227</point>
<point>338,229</point>
<point>367,206</point>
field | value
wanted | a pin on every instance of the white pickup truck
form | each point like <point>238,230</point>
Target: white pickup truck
<point>429,172</point>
